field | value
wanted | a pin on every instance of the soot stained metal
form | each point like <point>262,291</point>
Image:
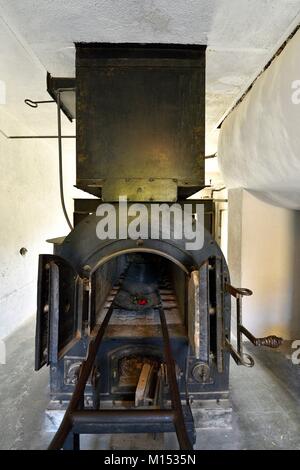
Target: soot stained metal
<point>136,332</point>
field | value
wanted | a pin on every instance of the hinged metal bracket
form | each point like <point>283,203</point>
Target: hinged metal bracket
<point>238,354</point>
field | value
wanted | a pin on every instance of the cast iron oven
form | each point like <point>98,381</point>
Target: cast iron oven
<point>135,331</point>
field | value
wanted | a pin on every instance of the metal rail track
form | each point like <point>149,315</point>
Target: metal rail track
<point>77,420</point>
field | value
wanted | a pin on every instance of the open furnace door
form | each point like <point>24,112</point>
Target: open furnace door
<point>198,321</point>
<point>58,325</point>
<point>205,315</point>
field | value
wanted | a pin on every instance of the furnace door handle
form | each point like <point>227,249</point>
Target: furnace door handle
<point>238,355</point>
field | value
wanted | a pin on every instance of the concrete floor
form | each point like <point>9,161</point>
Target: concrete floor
<point>265,401</point>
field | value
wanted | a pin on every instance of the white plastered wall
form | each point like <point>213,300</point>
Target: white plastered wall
<point>30,210</point>
<point>263,255</point>
<point>259,151</point>
<point>30,214</point>
<point>259,141</point>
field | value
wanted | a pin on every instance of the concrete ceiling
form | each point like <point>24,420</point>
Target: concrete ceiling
<point>241,36</point>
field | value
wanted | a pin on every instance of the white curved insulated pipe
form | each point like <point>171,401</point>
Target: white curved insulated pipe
<point>259,144</point>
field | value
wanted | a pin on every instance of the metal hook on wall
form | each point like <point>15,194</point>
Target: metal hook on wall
<point>35,104</point>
